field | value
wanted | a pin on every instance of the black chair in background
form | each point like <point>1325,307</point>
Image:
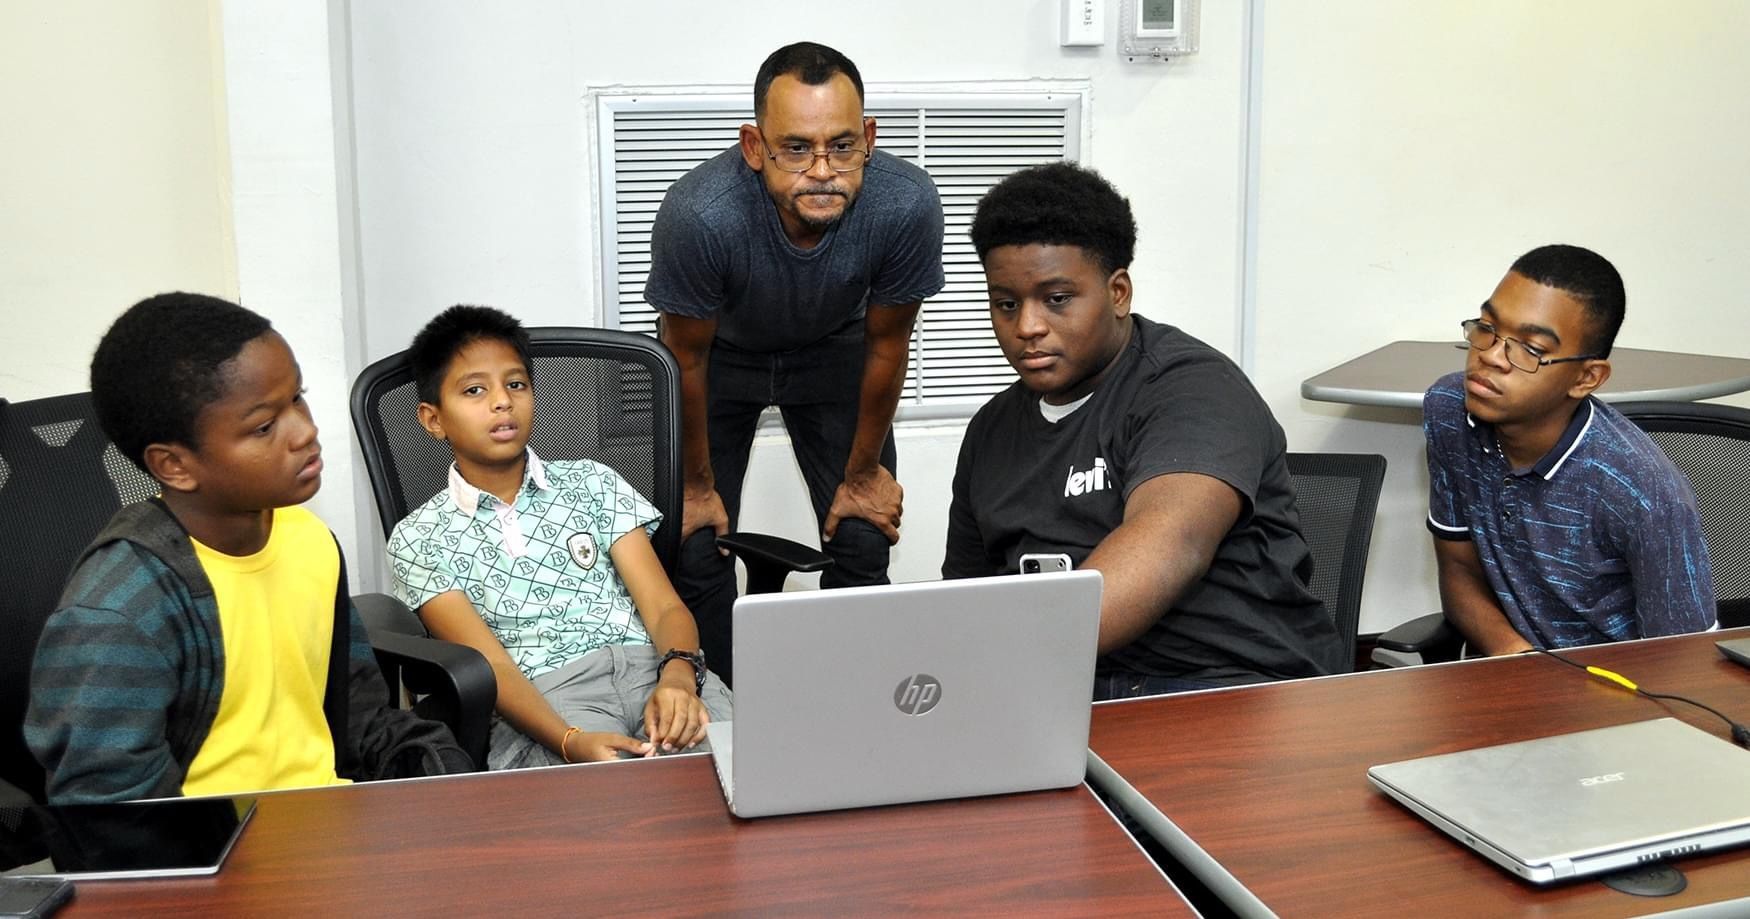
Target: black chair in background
<point>1711,445</point>
<point>600,394</point>
<point>60,482</point>
<point>1337,495</point>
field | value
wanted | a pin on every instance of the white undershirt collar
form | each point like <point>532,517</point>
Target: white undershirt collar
<point>1056,413</point>
<point>467,497</point>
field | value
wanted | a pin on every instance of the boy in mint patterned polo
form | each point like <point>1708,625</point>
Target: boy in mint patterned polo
<point>546,568</point>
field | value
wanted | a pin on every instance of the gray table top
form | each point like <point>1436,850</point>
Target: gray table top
<point>1397,375</point>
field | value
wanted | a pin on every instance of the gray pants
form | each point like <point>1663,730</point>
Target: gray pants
<point>603,691</point>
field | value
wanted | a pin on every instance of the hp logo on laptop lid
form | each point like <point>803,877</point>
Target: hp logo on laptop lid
<point>917,694</point>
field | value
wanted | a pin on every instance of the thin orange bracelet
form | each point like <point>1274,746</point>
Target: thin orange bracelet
<point>566,739</point>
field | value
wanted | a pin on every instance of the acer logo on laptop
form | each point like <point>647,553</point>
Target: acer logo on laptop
<point>1604,779</point>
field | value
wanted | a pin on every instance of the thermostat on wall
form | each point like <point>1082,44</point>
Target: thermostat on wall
<point>1156,30</point>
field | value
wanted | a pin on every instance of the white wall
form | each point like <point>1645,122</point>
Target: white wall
<point>114,176</point>
<point>174,145</point>
<point>1410,152</point>
<point>290,162</point>
<point>473,180</point>
<point>1406,153</point>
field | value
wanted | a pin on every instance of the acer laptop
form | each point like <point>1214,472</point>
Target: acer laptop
<point>909,692</point>
<point>1584,803</point>
<point>1735,649</point>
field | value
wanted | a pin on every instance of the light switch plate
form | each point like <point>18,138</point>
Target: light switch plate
<point>1083,24</point>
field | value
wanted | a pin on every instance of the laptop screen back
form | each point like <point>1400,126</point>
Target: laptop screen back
<point>911,692</point>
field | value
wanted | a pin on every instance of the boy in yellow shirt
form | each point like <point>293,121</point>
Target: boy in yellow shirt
<point>206,642</point>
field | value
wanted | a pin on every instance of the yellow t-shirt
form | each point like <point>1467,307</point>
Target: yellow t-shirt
<point>276,618</point>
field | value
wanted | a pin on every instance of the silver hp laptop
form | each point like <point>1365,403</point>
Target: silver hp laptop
<point>909,692</point>
<point>1584,803</point>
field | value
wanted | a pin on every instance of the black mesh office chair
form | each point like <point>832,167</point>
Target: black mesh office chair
<point>1711,445</point>
<point>601,394</point>
<point>60,482</point>
<point>1337,495</point>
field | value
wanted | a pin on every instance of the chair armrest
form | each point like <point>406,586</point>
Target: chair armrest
<point>383,613</point>
<point>11,795</point>
<point>1420,634</point>
<point>452,683</point>
<point>1734,613</point>
<point>770,559</point>
<point>1430,638</point>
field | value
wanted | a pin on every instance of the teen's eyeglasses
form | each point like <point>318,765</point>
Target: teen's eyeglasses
<point>1529,358</point>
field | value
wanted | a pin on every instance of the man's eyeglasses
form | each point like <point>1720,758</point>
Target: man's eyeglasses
<point>842,156</point>
<point>1482,336</point>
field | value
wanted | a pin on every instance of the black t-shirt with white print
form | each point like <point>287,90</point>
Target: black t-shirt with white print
<point>1172,404</point>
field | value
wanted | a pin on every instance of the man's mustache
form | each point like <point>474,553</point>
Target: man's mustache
<point>820,190</point>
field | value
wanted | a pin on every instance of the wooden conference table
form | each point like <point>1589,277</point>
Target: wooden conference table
<point>652,837</point>
<point>1396,375</point>
<point>1262,791</point>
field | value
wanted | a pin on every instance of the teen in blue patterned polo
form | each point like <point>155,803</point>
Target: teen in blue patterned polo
<point>1558,522</point>
<point>546,568</point>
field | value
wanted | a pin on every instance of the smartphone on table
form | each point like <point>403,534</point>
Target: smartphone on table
<point>33,897</point>
<point>1044,562</point>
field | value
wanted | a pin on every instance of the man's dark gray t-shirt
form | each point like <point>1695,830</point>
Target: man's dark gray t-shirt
<point>718,251</point>
<point>1170,404</point>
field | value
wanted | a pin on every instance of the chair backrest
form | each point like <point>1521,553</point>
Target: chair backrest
<point>1711,444</point>
<point>1337,495</point>
<point>600,394</point>
<point>60,482</point>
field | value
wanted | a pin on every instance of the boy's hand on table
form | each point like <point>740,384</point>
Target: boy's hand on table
<point>595,747</point>
<point>675,717</point>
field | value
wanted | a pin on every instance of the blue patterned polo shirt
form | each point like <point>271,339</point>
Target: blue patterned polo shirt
<point>1597,541</point>
<point>537,573</point>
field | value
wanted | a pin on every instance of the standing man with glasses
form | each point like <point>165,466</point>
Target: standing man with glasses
<point>788,271</point>
<point>1557,521</point>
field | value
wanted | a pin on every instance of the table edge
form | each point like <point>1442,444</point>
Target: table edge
<point>1177,843</point>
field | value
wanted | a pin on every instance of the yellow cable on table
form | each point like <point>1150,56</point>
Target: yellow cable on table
<point>1614,677</point>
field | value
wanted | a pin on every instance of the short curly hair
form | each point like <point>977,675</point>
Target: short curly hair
<point>1057,204</point>
<point>1587,277</point>
<point>162,362</point>
<point>449,332</point>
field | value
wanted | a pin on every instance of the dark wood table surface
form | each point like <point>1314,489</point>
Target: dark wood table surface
<point>1270,782</point>
<point>652,837</point>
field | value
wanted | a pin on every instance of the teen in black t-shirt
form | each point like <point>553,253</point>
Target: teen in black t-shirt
<point>1133,448</point>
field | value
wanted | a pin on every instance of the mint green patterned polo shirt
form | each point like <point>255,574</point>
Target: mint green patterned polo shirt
<point>539,573</point>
